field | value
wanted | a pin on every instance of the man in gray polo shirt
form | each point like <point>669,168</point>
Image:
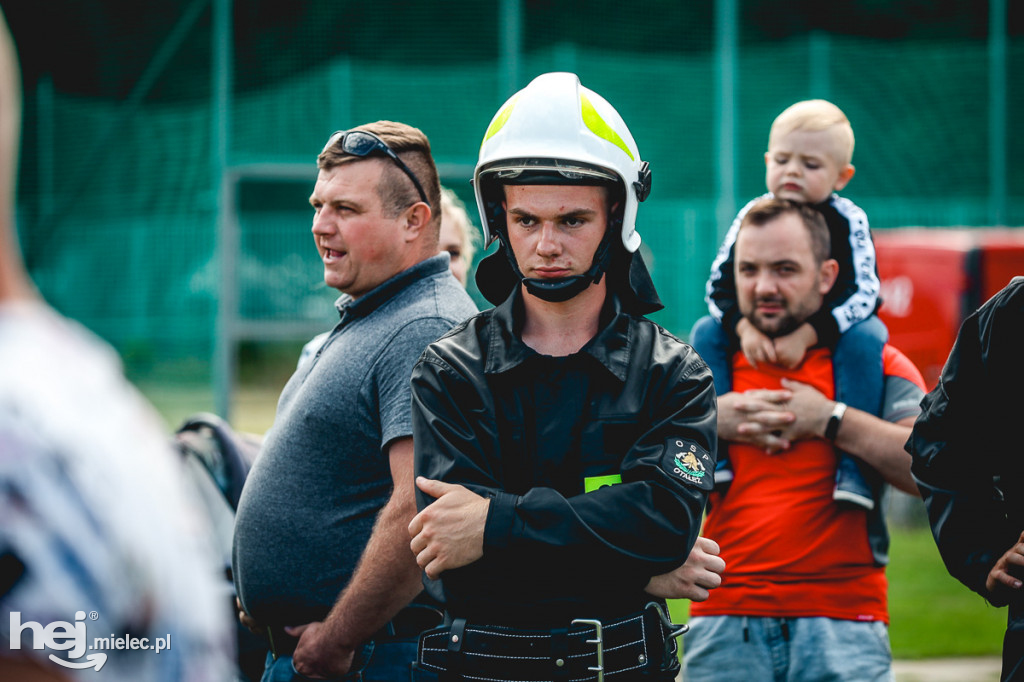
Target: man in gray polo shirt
<point>321,556</point>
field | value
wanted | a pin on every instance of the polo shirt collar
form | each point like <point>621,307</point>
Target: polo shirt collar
<point>378,296</point>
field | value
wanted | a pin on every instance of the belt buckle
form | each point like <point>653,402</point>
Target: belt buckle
<point>598,643</point>
<point>674,630</point>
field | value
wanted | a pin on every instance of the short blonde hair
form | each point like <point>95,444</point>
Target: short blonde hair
<point>453,209</point>
<point>815,115</point>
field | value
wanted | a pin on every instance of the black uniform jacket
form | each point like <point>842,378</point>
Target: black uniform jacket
<point>967,445</point>
<point>535,433</point>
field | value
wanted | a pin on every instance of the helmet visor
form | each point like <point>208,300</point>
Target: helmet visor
<point>547,172</point>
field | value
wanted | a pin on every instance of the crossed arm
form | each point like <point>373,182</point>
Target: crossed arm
<point>446,535</point>
<point>449,533</point>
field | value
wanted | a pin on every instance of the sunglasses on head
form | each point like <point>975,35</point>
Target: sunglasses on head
<point>363,143</point>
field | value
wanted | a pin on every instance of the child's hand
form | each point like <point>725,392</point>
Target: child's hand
<point>756,346</point>
<point>790,349</point>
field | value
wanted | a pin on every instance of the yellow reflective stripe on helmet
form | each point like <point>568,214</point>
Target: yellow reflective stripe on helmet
<point>598,126</point>
<point>500,120</point>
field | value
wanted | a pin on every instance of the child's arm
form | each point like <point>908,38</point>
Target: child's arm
<point>756,346</point>
<point>786,351</point>
<point>720,292</point>
<point>790,349</point>
<point>854,296</point>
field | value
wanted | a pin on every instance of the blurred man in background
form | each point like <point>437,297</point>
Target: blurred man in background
<point>805,597</point>
<point>459,237</point>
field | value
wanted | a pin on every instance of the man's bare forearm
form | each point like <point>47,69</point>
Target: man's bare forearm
<point>386,580</point>
<point>880,444</point>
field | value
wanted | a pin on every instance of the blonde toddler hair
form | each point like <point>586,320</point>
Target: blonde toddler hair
<point>814,115</point>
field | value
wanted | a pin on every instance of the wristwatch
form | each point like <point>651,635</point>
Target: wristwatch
<point>832,428</point>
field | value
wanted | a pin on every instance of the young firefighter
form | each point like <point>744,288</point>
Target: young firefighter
<point>564,443</point>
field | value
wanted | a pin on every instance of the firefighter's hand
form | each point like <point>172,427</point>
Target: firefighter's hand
<point>1003,580</point>
<point>693,580</point>
<point>449,533</point>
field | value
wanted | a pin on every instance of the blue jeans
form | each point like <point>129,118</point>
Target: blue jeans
<point>859,382</point>
<point>740,649</point>
<point>381,661</point>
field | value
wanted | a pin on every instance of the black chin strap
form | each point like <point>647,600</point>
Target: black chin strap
<point>563,288</point>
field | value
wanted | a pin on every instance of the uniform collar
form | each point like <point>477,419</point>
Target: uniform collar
<point>610,347</point>
<point>375,298</point>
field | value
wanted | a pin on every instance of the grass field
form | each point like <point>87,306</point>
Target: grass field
<point>932,615</point>
<point>252,407</point>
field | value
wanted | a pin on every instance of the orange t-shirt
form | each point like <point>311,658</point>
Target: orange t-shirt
<point>790,550</point>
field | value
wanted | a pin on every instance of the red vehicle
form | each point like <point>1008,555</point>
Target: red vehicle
<point>933,278</point>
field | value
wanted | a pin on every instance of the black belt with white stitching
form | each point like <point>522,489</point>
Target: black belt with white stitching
<point>584,650</point>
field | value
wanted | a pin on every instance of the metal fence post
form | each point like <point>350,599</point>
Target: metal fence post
<point>726,52</point>
<point>997,111</point>
<point>227,231</point>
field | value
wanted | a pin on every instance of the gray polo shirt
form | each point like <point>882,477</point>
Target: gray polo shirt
<point>311,499</point>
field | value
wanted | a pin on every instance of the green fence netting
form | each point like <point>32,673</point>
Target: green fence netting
<point>119,209</point>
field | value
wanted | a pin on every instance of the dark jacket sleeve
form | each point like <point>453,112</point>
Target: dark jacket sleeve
<point>628,532</point>
<point>966,458</point>
<point>824,325</point>
<point>720,292</point>
<point>854,296</point>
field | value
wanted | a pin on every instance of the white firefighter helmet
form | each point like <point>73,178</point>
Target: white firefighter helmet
<point>556,128</point>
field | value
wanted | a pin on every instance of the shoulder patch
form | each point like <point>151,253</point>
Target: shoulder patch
<point>686,460</point>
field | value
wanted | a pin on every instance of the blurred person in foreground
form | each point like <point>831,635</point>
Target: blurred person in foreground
<point>805,595</point>
<point>969,461</point>
<point>322,563</point>
<point>107,568</point>
<point>564,441</point>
